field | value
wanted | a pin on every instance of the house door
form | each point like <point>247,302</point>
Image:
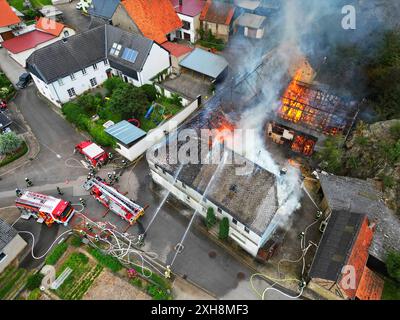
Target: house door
<point>125,79</point>
<point>186,36</point>
<point>109,73</point>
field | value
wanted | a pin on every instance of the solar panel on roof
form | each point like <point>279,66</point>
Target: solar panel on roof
<point>129,55</point>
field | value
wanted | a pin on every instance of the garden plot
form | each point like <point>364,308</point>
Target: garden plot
<point>84,273</point>
<point>110,287</point>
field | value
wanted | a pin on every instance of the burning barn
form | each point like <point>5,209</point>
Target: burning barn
<point>249,199</point>
<point>308,114</point>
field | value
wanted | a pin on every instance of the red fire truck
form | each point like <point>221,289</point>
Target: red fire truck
<point>44,208</point>
<point>113,200</point>
<point>94,154</point>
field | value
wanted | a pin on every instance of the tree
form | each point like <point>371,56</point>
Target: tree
<point>224,228</point>
<point>9,143</point>
<point>34,281</point>
<point>331,155</point>
<point>129,101</point>
<point>211,219</point>
<point>111,84</point>
<point>393,264</point>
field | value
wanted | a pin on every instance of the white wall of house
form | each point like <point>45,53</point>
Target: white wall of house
<point>57,91</point>
<point>245,238</point>
<point>157,61</point>
<point>11,251</point>
<point>194,26</point>
<point>156,135</point>
<point>258,35</point>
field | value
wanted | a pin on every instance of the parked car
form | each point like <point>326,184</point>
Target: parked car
<point>3,104</point>
<point>24,80</point>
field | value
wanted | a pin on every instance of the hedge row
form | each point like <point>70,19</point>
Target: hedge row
<point>20,152</point>
<point>76,115</point>
<point>56,253</point>
<point>106,260</point>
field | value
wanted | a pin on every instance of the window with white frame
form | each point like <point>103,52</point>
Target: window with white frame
<point>84,71</point>
<point>106,62</point>
<point>115,49</point>
<point>2,256</point>
<point>246,230</point>
<point>95,66</point>
<point>60,82</point>
<point>72,76</point>
<point>93,82</point>
<point>71,92</point>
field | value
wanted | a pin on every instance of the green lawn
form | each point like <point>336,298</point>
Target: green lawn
<point>391,291</point>
<point>81,278</point>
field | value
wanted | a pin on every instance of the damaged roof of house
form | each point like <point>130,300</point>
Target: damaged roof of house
<point>336,244</point>
<point>217,12</point>
<point>361,196</point>
<point>228,188</point>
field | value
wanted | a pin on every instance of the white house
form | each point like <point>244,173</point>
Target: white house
<point>69,67</point>
<point>189,12</point>
<point>249,200</point>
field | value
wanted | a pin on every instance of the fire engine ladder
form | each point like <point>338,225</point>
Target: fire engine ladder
<point>113,194</point>
<point>32,204</point>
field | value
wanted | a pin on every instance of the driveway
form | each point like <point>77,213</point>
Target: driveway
<point>12,69</point>
<point>73,17</point>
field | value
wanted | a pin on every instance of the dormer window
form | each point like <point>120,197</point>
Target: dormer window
<point>115,49</point>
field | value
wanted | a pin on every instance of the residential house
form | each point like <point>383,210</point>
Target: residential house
<point>154,19</point>
<point>189,12</point>
<point>8,21</point>
<point>69,67</point>
<point>339,269</point>
<point>103,9</point>
<point>251,25</point>
<point>178,52</point>
<point>217,17</point>
<point>46,31</point>
<point>11,245</point>
<point>249,200</point>
<point>363,197</point>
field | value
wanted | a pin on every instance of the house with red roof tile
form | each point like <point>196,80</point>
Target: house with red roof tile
<point>217,17</point>
<point>153,19</point>
<point>46,32</point>
<point>8,21</point>
<point>189,12</point>
<point>178,52</point>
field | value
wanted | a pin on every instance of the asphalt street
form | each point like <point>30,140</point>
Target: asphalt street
<point>57,139</point>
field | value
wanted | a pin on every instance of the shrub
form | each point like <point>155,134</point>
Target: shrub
<point>157,293</point>
<point>76,241</point>
<point>19,153</point>
<point>35,294</point>
<point>89,103</point>
<point>137,282</point>
<point>211,219</point>
<point>56,253</point>
<point>113,83</point>
<point>150,91</point>
<point>106,260</point>
<point>224,228</point>
<point>393,265</point>
<point>34,281</point>
<point>9,143</point>
<point>99,135</point>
